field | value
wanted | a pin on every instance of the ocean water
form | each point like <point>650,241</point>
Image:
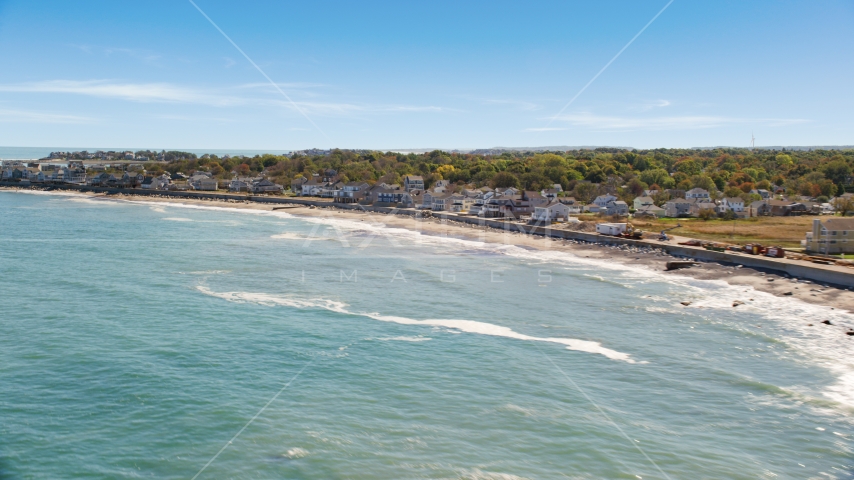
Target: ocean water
<point>144,340</point>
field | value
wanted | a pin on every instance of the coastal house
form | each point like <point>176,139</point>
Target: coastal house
<point>413,182</point>
<point>297,183</point>
<point>831,236</point>
<point>785,208</point>
<point>639,202</point>
<point>311,188</point>
<point>765,194</point>
<point>441,201</point>
<point>238,185</point>
<point>156,183</point>
<point>550,193</point>
<point>617,208</point>
<point>517,206</point>
<point>132,179</point>
<point>696,207</point>
<point>604,200</point>
<point>551,212</point>
<point>650,193</point>
<point>698,193</point>
<point>391,196</point>
<point>507,191</point>
<point>460,203</point>
<point>441,186</point>
<point>203,181</point>
<point>479,202</point>
<point>649,211</point>
<point>161,182</point>
<point>677,207</point>
<point>735,204</point>
<point>265,186</point>
<point>758,208</point>
<point>351,192</point>
<point>332,185</point>
<point>495,207</point>
<point>384,194</point>
<point>535,198</point>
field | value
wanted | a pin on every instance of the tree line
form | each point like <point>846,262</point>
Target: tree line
<point>580,173</point>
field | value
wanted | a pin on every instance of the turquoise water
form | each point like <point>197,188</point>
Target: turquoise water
<point>137,340</point>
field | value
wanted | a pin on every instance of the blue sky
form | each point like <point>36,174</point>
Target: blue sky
<point>395,75</point>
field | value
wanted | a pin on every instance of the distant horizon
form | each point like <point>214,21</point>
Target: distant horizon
<point>17,152</point>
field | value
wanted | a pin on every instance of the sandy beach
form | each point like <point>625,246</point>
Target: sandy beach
<point>653,259</point>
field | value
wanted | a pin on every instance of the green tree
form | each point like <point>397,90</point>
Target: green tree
<point>504,180</point>
<point>658,176</point>
<point>838,171</point>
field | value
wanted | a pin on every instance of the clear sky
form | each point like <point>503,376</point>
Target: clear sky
<point>455,74</point>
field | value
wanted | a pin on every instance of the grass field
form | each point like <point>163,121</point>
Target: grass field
<point>783,231</point>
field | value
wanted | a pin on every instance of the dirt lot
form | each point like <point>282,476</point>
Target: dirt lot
<point>783,231</point>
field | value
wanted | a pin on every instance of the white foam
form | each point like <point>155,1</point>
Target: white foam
<point>206,272</point>
<point>178,219</point>
<point>295,453</point>
<point>468,326</point>
<point>289,236</point>
<point>404,339</point>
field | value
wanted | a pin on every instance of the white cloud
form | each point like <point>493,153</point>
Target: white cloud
<point>168,93</point>
<point>284,86</point>
<point>676,122</point>
<point>517,104</point>
<point>348,109</point>
<point>137,92</point>
<point>40,117</point>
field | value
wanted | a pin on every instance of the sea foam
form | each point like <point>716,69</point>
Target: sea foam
<point>468,326</point>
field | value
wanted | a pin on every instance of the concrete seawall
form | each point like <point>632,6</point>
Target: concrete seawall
<point>829,274</point>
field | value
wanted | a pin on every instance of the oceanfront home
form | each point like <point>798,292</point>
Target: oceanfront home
<point>351,192</point>
<point>551,212</point>
<point>831,236</point>
<point>203,181</point>
<point>265,186</point>
<point>413,182</point>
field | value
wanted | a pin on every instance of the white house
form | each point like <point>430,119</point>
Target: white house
<point>698,193</point>
<point>441,186</point>
<point>550,212</point>
<point>640,202</point>
<point>731,203</point>
<point>604,200</point>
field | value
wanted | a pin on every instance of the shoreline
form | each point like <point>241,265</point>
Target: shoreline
<point>649,258</point>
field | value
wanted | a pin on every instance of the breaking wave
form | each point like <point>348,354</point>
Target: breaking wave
<point>468,326</point>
